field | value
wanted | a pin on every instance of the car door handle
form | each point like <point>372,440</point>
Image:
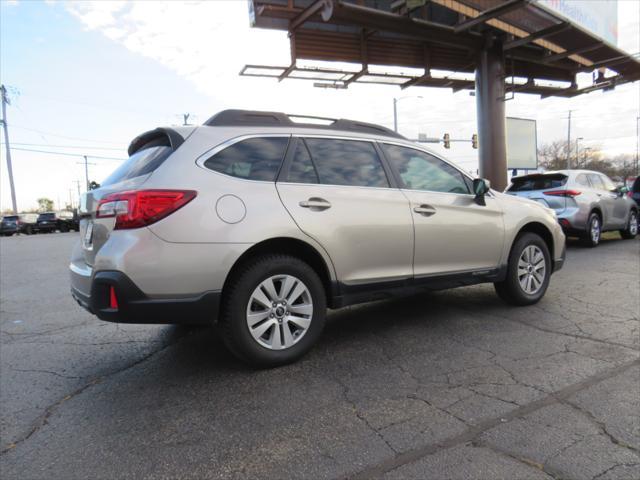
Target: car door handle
<point>426,210</point>
<point>315,204</point>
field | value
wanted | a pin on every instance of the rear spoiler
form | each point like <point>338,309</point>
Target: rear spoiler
<point>541,175</point>
<point>174,139</point>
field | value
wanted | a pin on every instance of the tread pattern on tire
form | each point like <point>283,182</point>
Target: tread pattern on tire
<point>233,288</point>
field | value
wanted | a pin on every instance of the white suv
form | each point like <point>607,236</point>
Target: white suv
<point>258,223</point>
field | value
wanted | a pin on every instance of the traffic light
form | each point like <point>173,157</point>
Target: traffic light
<point>474,140</point>
<point>447,140</point>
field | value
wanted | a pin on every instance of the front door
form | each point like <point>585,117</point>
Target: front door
<point>338,193</point>
<point>452,232</point>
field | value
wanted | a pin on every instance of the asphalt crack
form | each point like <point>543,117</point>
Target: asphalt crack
<point>43,420</point>
<point>472,433</point>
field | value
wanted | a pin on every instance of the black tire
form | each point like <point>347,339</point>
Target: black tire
<point>233,321</point>
<point>64,228</point>
<point>510,290</point>
<point>591,238</point>
<point>631,229</point>
<point>28,230</point>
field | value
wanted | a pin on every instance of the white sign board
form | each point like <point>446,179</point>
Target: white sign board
<point>522,151</point>
<point>599,17</point>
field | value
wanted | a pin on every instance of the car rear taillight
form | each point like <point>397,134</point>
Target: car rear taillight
<point>135,209</point>
<point>563,193</point>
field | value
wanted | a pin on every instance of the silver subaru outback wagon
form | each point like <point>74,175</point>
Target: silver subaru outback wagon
<point>258,224</point>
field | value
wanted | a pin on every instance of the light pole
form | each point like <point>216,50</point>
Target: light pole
<point>578,151</point>
<point>395,109</point>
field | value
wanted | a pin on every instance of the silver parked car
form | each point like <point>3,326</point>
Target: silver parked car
<point>258,224</point>
<point>587,203</point>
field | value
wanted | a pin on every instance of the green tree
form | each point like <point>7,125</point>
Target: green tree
<point>45,204</point>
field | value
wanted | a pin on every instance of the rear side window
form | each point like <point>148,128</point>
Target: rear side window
<point>143,161</point>
<point>596,181</point>
<point>537,182</point>
<point>583,181</point>
<point>46,216</point>
<point>347,162</point>
<point>252,159</point>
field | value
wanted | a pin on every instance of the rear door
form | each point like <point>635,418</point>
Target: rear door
<point>339,193</point>
<point>453,234</point>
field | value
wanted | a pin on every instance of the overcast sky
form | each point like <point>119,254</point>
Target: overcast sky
<point>87,77</point>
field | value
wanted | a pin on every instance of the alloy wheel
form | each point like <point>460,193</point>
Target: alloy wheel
<point>279,312</point>
<point>531,269</point>
<point>633,223</point>
<point>595,229</point>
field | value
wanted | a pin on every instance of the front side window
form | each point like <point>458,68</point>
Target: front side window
<point>347,162</point>
<point>421,171</point>
<point>252,159</point>
<point>608,184</point>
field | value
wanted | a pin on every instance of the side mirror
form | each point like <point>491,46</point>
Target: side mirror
<point>480,189</point>
<point>623,190</point>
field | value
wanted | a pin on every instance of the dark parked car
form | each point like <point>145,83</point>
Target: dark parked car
<point>52,221</point>
<point>22,223</point>
<point>634,192</point>
<point>9,225</point>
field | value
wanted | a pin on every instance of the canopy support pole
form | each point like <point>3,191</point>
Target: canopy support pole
<point>490,91</point>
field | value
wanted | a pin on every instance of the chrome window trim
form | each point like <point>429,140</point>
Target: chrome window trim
<point>227,143</point>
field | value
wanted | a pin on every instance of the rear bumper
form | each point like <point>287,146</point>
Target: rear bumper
<point>133,306</point>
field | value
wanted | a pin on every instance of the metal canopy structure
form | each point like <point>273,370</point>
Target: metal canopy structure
<point>509,45</point>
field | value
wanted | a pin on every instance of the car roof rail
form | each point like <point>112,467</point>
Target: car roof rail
<point>251,118</point>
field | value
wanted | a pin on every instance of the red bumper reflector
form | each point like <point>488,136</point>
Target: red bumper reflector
<point>113,300</point>
<point>565,223</point>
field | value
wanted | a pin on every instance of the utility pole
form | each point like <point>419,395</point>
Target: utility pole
<point>71,198</point>
<point>569,142</point>
<point>5,101</point>
<point>86,171</point>
<point>77,182</point>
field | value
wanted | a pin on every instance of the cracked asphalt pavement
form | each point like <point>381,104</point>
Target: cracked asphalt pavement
<point>451,384</point>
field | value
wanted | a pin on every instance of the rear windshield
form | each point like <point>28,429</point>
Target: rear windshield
<point>144,161</point>
<point>10,218</point>
<point>47,216</point>
<point>536,182</point>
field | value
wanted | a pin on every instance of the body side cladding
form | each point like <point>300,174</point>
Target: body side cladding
<point>362,293</point>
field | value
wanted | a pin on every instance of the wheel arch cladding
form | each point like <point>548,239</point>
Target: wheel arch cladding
<point>542,231</point>
<point>287,246</point>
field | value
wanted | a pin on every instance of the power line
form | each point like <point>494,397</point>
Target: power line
<point>64,136</point>
<point>85,147</point>
<point>67,154</point>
